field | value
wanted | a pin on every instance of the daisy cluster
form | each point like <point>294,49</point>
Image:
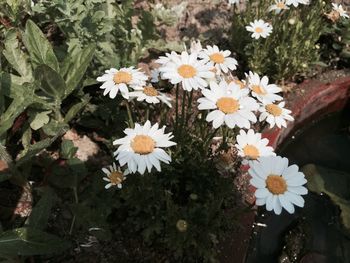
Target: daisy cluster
<point>227,102</point>
<point>261,29</point>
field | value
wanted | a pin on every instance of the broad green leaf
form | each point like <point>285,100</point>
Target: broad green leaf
<point>40,214</point>
<point>38,46</point>
<point>34,149</point>
<point>53,127</point>
<point>51,83</point>
<point>68,149</point>
<point>69,175</point>
<point>39,120</point>
<point>27,241</point>
<point>13,86</point>
<point>75,109</point>
<point>76,67</point>
<point>17,58</point>
<point>12,112</point>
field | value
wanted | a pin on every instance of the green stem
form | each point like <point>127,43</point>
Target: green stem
<point>176,107</point>
<point>131,121</point>
<point>189,107</point>
<point>76,199</point>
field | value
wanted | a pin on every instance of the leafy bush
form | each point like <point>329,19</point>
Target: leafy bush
<point>35,111</point>
<point>290,49</point>
<point>119,39</point>
<point>334,44</point>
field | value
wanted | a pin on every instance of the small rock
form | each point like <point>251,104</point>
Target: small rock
<point>86,147</point>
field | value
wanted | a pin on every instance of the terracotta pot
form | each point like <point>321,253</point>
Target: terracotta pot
<point>310,100</point>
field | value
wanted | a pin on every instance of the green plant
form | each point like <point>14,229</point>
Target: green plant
<point>37,104</point>
<point>335,44</point>
<point>119,40</point>
<point>290,49</point>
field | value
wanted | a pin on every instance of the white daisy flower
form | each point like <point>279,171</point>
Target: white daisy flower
<point>219,59</point>
<point>196,47</point>
<point>339,9</point>
<point>275,114</point>
<point>115,80</point>
<point>295,3</point>
<point>261,89</point>
<point>230,105</point>
<point>278,185</point>
<point>141,148</point>
<point>150,95</point>
<point>114,176</point>
<point>163,60</point>
<point>259,28</point>
<point>188,70</point>
<point>278,6</point>
<point>250,145</point>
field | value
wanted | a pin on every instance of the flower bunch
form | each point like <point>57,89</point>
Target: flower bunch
<point>226,102</point>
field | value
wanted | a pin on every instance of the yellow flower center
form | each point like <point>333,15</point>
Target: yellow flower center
<point>280,5</point>
<point>258,89</point>
<point>251,151</point>
<point>217,58</point>
<point>276,184</point>
<point>122,77</point>
<point>150,91</point>
<point>258,30</point>
<point>187,71</point>
<point>227,105</point>
<point>273,109</point>
<point>143,144</point>
<point>116,177</point>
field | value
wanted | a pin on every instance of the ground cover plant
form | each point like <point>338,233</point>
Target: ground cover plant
<point>102,157</point>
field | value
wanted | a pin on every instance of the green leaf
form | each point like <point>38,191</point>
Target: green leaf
<point>39,120</point>
<point>27,241</point>
<point>12,112</point>
<point>75,109</point>
<point>51,82</point>
<point>16,57</point>
<point>34,149</point>
<point>68,150</point>
<point>69,175</point>
<point>76,66</point>
<point>38,46</point>
<point>26,137</point>
<point>40,214</point>
<point>53,127</point>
